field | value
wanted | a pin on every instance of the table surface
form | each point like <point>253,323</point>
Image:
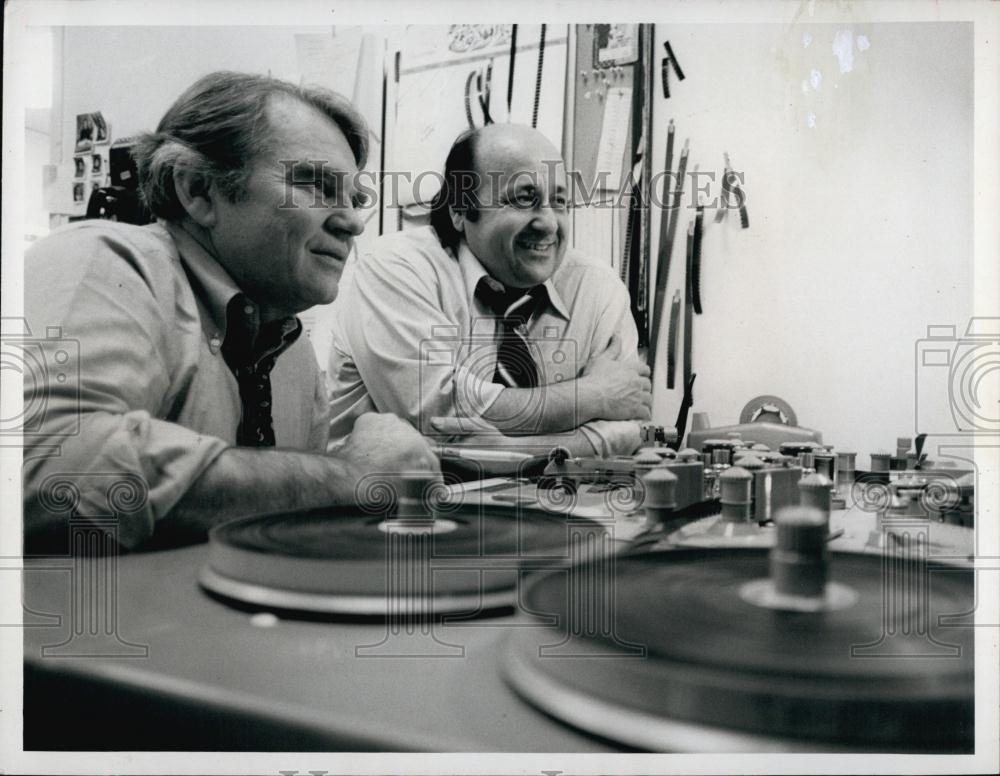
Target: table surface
<point>154,634</point>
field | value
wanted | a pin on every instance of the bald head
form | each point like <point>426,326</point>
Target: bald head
<point>496,145</point>
<point>504,195</point>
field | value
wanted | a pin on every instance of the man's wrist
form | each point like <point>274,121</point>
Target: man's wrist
<point>589,401</point>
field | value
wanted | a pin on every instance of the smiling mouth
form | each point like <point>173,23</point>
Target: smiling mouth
<point>538,247</point>
<point>331,256</point>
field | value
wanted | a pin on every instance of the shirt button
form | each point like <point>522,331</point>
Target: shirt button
<point>265,404</point>
<point>248,309</point>
<point>215,343</point>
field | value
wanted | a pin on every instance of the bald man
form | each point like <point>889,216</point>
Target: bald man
<point>484,325</point>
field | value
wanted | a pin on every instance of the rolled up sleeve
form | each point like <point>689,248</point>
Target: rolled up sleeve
<point>105,331</point>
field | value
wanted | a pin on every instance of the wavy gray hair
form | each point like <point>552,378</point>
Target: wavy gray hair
<point>219,126</point>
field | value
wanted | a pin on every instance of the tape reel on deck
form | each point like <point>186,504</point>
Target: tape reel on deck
<point>683,658</point>
<point>343,561</point>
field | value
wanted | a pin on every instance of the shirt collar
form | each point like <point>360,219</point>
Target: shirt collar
<point>216,290</point>
<point>473,271</point>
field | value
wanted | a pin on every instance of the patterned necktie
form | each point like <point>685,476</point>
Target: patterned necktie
<point>250,354</point>
<point>515,366</point>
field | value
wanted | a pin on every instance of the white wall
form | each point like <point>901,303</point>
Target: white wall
<point>860,226</point>
<point>133,74</point>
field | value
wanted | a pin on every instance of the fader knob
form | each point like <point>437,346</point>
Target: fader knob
<point>687,455</point>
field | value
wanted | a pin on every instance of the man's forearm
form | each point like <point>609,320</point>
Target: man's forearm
<point>533,444</point>
<point>546,409</point>
<point>245,481</point>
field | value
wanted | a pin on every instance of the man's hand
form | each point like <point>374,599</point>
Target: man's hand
<point>384,444</point>
<point>623,437</point>
<point>620,388</point>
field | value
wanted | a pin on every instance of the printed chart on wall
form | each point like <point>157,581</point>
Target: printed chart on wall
<point>445,79</point>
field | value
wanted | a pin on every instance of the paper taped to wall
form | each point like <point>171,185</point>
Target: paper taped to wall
<point>614,137</point>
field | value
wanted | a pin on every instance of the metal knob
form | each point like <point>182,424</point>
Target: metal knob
<point>798,561</point>
<point>814,491</point>
<point>880,461</point>
<point>826,464</point>
<point>735,489</point>
<point>411,497</point>
<point>845,468</point>
<point>751,463</point>
<point>646,460</point>
<point>661,496</point>
<point>720,457</point>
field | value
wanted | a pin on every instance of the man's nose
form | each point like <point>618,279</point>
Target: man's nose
<point>545,219</point>
<point>346,218</point>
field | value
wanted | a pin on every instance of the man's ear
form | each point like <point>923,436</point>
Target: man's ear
<point>196,196</point>
<point>457,219</point>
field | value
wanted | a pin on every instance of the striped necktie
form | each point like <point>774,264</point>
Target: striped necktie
<point>515,366</point>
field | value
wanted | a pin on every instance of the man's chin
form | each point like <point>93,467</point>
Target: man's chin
<point>326,296</point>
<point>534,272</point>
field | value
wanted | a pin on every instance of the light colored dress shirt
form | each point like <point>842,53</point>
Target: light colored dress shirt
<point>410,336</point>
<point>134,398</point>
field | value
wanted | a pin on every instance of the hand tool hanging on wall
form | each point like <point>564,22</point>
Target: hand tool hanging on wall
<point>687,400</point>
<point>688,305</point>
<point>642,135</point>
<point>675,314</point>
<point>510,68</point>
<point>538,77</point>
<point>663,252</point>
<point>695,270</point>
<point>632,226</point>
<point>483,76</point>
<point>632,251</point>
<point>669,217</point>
<point>675,204</point>
<point>485,84</point>
<point>730,188</point>
<point>668,62</point>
